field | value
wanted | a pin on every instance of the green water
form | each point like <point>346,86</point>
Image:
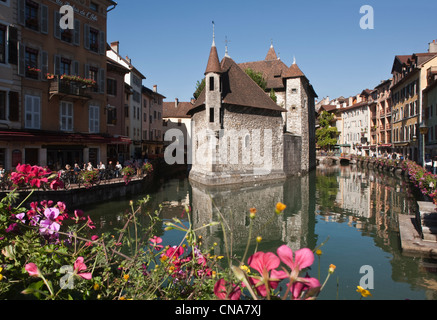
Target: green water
<point>356,211</point>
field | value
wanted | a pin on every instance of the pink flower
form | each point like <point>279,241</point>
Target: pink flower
<point>220,290</point>
<point>301,259</point>
<point>90,223</point>
<point>264,263</point>
<point>79,266</point>
<point>32,269</point>
<point>306,288</point>
<point>155,243</point>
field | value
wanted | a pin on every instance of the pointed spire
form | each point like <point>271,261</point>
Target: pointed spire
<point>226,47</point>
<point>213,61</point>
<point>271,55</point>
<point>294,60</point>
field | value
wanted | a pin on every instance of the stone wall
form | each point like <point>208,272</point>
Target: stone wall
<point>292,155</point>
<point>248,148</point>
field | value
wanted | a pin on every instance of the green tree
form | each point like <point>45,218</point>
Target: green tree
<point>257,77</point>
<point>273,95</point>
<point>200,85</point>
<point>326,135</point>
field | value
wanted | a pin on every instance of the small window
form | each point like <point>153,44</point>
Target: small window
<point>211,83</point>
<point>94,7</point>
<point>211,115</point>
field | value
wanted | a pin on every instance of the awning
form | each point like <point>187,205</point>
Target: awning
<point>61,137</point>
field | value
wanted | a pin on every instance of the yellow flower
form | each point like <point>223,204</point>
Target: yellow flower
<point>364,293</point>
<point>252,213</point>
<point>1,277</point>
<point>319,252</point>
<point>126,277</point>
<point>332,268</point>
<point>280,207</point>
<point>245,268</point>
<point>96,286</point>
<point>259,239</point>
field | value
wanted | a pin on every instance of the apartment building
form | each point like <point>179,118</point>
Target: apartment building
<point>430,104</point>
<point>10,82</point>
<point>409,80</point>
<point>134,79</point>
<point>383,117</point>
<point>62,74</point>
<point>152,126</point>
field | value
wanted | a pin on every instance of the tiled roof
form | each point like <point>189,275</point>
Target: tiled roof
<point>293,72</point>
<point>239,89</point>
<point>170,110</point>
<point>272,71</point>
<point>213,61</point>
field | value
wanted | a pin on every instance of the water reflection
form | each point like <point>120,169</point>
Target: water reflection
<point>357,209</point>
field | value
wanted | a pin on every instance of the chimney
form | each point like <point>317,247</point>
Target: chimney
<point>128,60</point>
<point>193,101</point>
<point>115,46</point>
<point>433,47</point>
<point>155,88</point>
<point>176,102</point>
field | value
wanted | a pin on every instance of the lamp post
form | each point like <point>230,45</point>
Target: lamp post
<point>423,131</point>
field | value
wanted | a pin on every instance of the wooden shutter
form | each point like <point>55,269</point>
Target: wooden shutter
<point>44,64</point>
<point>14,106</point>
<point>21,12</point>
<point>86,73</point>
<point>57,67</point>
<point>102,80</point>
<point>102,43</point>
<point>56,26</point>
<point>13,45</point>
<point>86,36</point>
<point>75,68</point>
<point>21,59</point>
<point>44,27</point>
<point>76,37</point>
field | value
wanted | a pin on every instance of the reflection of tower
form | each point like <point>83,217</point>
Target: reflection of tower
<point>233,203</point>
<point>299,217</point>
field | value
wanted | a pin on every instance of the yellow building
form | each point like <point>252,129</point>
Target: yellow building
<point>409,80</point>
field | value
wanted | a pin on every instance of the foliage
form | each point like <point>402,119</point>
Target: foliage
<point>326,135</point>
<point>51,253</point>
<point>127,172</point>
<point>273,95</point>
<point>89,177</point>
<point>200,85</point>
<point>257,77</point>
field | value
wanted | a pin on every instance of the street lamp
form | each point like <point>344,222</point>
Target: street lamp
<point>423,131</point>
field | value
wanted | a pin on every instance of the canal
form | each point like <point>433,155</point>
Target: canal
<point>352,212</point>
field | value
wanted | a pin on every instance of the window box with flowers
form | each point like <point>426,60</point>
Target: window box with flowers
<point>32,72</point>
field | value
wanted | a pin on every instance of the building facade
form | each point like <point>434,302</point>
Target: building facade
<point>62,73</point>
<point>152,126</point>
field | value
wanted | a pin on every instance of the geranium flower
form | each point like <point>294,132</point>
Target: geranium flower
<point>32,269</point>
<point>155,243</point>
<point>306,288</point>
<point>80,266</point>
<point>264,263</point>
<point>220,290</point>
<point>301,259</point>
<point>49,226</point>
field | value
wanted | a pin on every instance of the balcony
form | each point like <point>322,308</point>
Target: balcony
<point>70,87</point>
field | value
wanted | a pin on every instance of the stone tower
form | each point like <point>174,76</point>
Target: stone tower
<point>213,90</point>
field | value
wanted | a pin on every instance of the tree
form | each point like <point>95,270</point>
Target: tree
<point>326,135</point>
<point>200,85</point>
<point>257,77</point>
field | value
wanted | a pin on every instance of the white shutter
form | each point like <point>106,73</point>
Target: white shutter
<point>28,111</point>
<point>36,112</point>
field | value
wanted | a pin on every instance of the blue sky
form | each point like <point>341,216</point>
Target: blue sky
<point>169,41</point>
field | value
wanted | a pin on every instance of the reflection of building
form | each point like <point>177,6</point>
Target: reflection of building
<point>354,194</point>
<point>295,227</point>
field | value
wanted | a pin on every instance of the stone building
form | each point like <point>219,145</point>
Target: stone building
<point>153,144</point>
<point>294,93</point>
<point>238,130</point>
